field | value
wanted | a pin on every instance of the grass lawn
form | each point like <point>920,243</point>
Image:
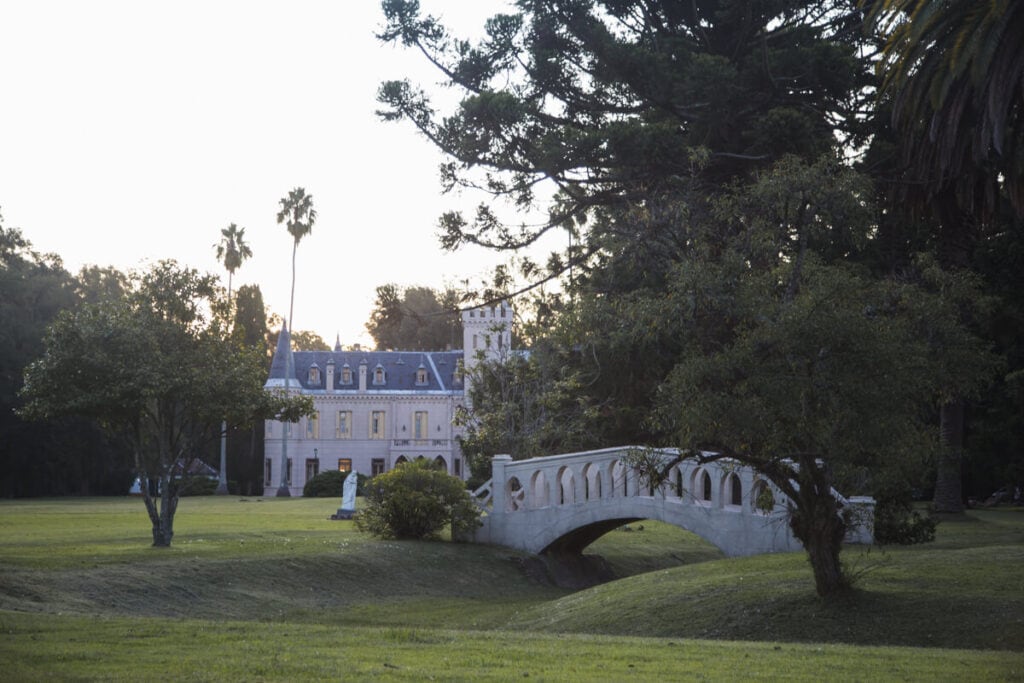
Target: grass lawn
<point>271,589</point>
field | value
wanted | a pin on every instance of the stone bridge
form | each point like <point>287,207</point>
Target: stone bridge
<point>558,505</point>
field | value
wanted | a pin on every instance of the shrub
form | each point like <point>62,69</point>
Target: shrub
<point>896,522</point>
<point>329,484</point>
<point>195,486</point>
<point>416,500</point>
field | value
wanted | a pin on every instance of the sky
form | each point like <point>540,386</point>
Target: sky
<point>134,131</point>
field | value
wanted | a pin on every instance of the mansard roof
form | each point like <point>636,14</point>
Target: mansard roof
<point>399,367</point>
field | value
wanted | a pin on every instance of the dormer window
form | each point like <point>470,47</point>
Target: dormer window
<point>314,374</point>
<point>346,374</point>
<point>421,376</point>
<point>379,376</point>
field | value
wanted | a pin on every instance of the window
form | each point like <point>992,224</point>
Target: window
<point>343,426</point>
<point>377,424</point>
<point>421,376</point>
<point>313,426</point>
<point>376,467</point>
<point>378,375</point>
<point>457,467</point>
<point>419,425</point>
<point>268,470</point>
<point>736,490</point>
<point>346,374</point>
<point>312,468</point>
<point>474,341</point>
<point>288,473</point>
<point>344,464</point>
<point>314,374</point>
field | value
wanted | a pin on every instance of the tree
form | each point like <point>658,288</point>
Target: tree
<point>304,340</point>
<point>232,251</point>
<point>699,153</point>
<point>53,457</point>
<point>250,330</point>
<point>616,101</point>
<point>415,319</point>
<point>956,81</point>
<point>155,371</point>
<point>816,389</point>
<point>953,77</point>
<point>417,500</point>
<point>298,215</point>
<point>526,405</point>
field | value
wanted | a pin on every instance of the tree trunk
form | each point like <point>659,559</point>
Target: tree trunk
<point>162,517</point>
<point>948,487</point>
<point>817,524</point>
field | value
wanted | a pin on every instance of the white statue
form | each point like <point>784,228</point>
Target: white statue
<point>348,492</point>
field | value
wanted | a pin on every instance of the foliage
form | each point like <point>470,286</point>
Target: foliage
<point>416,500</point>
<point>304,340</point>
<point>415,319</point>
<point>155,372</point>
<point>619,101</point>
<point>525,405</point>
<point>232,250</point>
<point>330,484</point>
<point>952,127</point>
<point>956,81</point>
<point>195,486</point>
<point>897,522</point>
<point>700,154</point>
<point>58,456</point>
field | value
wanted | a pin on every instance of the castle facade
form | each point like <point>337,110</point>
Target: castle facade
<point>377,409</point>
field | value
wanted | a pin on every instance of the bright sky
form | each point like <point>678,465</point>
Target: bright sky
<point>133,131</point>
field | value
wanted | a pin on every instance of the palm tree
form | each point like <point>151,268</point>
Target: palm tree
<point>298,215</point>
<point>954,74</point>
<point>232,251</point>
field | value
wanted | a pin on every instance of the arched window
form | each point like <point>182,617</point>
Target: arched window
<point>701,486</point>
<point>379,376</point>
<point>618,474</point>
<point>591,482</point>
<point>566,487</point>
<point>440,464</point>
<point>346,374</point>
<point>761,497</point>
<point>539,486</point>
<point>314,375</point>
<point>735,490</point>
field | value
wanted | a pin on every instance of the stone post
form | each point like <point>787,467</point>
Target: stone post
<point>498,463</point>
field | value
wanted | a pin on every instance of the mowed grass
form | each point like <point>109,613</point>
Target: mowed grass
<point>270,589</point>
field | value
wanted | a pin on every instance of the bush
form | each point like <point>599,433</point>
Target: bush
<point>329,484</point>
<point>896,522</point>
<point>416,500</point>
<point>195,486</point>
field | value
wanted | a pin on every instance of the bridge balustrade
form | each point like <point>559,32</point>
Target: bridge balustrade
<point>580,478</point>
<point>570,499</point>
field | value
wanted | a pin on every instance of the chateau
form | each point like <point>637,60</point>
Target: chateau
<point>376,409</point>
